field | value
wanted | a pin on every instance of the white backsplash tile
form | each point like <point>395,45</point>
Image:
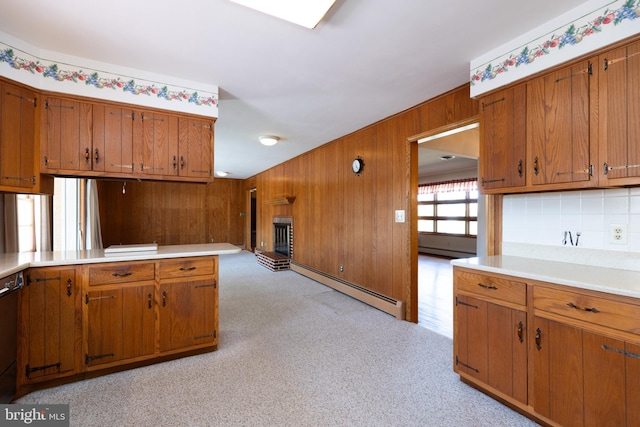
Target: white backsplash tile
<point>541,219</point>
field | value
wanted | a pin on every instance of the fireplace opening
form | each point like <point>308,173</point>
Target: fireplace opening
<point>283,236</point>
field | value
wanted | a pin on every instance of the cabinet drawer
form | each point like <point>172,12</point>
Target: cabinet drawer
<point>597,310</point>
<point>490,286</point>
<point>182,267</point>
<point>120,272</point>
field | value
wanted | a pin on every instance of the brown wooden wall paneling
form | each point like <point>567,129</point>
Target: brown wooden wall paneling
<point>171,213</point>
<point>344,219</point>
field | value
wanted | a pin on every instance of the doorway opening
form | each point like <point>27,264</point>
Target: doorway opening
<point>446,229</point>
<point>253,220</point>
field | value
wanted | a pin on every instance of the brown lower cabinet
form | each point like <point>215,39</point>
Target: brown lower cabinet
<point>49,325</point>
<point>582,361</point>
<point>86,319</point>
<point>120,324</point>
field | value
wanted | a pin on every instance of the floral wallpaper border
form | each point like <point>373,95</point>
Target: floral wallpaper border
<point>615,13</point>
<point>20,60</point>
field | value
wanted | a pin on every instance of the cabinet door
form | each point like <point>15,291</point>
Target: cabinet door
<point>113,139</point>
<point>559,127</point>
<point>156,141</point>
<point>619,93</point>
<point>604,381</point>
<point>491,345</point>
<point>17,136</point>
<point>471,336</point>
<point>503,139</point>
<point>611,392</point>
<point>67,143</point>
<point>196,148</point>
<point>558,382</point>
<point>120,324</point>
<point>49,305</point>
<point>188,314</point>
<point>507,351</point>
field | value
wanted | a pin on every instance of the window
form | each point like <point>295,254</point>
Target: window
<point>444,208</point>
<point>26,223</point>
<point>66,214</point>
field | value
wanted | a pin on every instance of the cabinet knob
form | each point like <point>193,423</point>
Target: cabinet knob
<point>164,298</point>
<point>87,155</point>
<point>96,156</point>
<point>536,166</point>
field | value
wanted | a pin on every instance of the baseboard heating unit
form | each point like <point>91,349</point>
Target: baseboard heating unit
<point>381,302</point>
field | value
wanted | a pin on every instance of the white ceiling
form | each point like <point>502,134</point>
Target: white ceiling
<point>367,60</point>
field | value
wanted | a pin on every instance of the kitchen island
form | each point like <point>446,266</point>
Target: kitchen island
<point>87,313</point>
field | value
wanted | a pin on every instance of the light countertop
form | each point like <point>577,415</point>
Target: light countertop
<point>13,262</point>
<point>610,280</point>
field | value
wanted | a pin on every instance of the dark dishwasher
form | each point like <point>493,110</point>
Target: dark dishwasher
<point>9,288</point>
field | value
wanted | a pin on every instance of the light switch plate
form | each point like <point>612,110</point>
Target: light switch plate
<point>400,216</point>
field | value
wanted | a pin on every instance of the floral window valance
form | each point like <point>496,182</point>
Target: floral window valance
<point>470,184</point>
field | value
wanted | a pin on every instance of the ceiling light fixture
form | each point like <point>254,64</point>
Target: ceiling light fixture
<point>447,157</point>
<point>222,173</point>
<point>268,140</point>
<point>306,13</point>
<point>449,132</point>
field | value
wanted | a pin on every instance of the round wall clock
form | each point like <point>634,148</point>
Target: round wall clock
<point>357,165</point>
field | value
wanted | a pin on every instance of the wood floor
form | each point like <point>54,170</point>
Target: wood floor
<point>435,294</point>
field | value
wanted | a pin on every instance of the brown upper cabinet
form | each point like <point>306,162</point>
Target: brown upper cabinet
<point>503,139</point>
<point>86,138</point>
<point>559,126</point>
<point>581,129</point>
<point>67,142</point>
<point>196,148</point>
<point>157,150</point>
<point>113,139</point>
<point>619,92</point>
<point>18,135</point>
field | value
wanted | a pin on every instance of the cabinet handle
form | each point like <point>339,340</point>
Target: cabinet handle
<point>181,162</point>
<point>188,268</point>
<point>623,352</point>
<point>149,300</point>
<point>520,168</point>
<point>164,298</point>
<point>175,162</point>
<point>96,156</point>
<point>128,273</point>
<point>46,161</point>
<point>521,332</point>
<point>69,287</point>
<point>577,307</point>
<point>538,339</point>
<point>488,181</point>
<point>87,155</point>
<point>536,166</point>
<point>491,287</point>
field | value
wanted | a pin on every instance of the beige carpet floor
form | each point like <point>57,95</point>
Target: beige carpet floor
<point>292,352</point>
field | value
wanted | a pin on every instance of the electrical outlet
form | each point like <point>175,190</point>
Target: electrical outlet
<point>618,234</point>
<point>341,268</point>
<point>400,216</point>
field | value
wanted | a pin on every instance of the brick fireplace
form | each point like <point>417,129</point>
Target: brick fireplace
<point>280,257</point>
